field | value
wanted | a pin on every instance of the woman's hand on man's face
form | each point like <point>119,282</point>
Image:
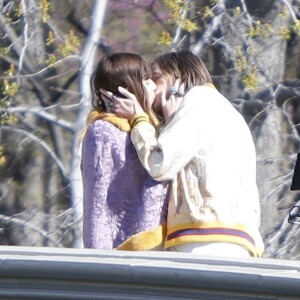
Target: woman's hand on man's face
<point>125,107</point>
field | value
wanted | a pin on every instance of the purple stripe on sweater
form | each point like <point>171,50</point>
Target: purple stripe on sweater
<point>211,231</point>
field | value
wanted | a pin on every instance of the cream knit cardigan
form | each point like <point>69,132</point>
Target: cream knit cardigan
<point>207,152</point>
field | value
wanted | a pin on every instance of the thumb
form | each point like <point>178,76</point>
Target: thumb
<point>163,99</point>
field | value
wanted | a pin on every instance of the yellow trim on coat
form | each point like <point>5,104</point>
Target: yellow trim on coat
<point>121,123</point>
<point>146,240</point>
<point>210,85</point>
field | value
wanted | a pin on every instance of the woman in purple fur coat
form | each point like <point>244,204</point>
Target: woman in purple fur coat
<point>124,208</point>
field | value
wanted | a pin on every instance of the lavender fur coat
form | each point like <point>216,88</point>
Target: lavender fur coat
<point>120,198</point>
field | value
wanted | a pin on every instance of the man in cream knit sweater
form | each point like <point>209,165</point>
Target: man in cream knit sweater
<point>207,151</point>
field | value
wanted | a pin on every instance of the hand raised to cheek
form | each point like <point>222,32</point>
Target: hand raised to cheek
<point>124,107</point>
<point>170,106</point>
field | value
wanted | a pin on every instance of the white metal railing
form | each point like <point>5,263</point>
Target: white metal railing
<point>58,273</point>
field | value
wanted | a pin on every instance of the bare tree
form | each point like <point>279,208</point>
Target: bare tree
<point>48,52</point>
<point>87,67</point>
<point>38,56</point>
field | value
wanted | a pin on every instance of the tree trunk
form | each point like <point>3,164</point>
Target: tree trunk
<point>87,66</point>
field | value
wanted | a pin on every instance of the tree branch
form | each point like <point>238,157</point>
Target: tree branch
<point>26,224</point>
<point>291,10</point>
<point>42,143</point>
<point>245,10</point>
<point>15,40</point>
<point>87,66</point>
<point>39,111</point>
<point>210,29</point>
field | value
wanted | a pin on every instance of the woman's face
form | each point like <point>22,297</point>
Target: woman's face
<point>150,87</point>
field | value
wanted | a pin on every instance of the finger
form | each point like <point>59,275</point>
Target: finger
<point>181,88</point>
<point>175,89</point>
<point>108,107</point>
<point>107,102</point>
<point>125,92</point>
<point>106,93</point>
<point>110,100</point>
<point>177,83</point>
<point>163,99</point>
<point>106,98</point>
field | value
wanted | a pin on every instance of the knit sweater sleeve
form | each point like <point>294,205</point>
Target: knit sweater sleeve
<point>165,155</point>
<point>97,169</point>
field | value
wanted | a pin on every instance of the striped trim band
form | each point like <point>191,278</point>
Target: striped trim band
<point>210,231</point>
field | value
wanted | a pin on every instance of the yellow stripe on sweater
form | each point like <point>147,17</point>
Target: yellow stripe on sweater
<point>212,233</point>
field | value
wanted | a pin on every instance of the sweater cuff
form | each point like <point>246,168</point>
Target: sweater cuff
<point>138,118</point>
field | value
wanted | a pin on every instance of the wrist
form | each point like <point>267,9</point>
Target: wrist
<point>138,118</point>
<point>138,109</point>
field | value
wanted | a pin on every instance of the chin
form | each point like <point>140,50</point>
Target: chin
<point>157,110</point>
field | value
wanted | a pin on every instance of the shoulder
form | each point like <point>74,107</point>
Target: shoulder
<point>103,130</point>
<point>203,91</point>
<point>101,125</point>
<point>206,98</point>
<point>200,99</point>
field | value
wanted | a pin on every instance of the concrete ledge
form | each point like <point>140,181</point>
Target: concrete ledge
<point>57,273</point>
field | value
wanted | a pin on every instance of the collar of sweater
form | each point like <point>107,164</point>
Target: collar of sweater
<point>121,123</point>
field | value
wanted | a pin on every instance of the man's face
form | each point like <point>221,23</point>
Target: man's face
<point>162,85</point>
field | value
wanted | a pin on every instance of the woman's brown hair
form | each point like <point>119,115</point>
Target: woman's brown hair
<point>122,69</point>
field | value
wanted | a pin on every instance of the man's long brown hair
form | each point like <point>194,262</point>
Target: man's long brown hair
<point>185,66</point>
